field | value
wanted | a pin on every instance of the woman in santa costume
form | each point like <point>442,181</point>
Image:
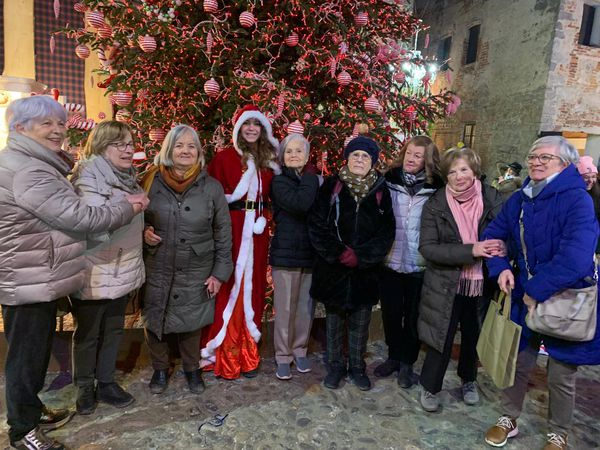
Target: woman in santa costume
<point>245,171</point>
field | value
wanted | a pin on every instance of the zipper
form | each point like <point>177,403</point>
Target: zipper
<point>118,262</point>
<point>51,256</point>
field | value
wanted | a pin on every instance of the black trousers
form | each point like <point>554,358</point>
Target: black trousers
<point>400,295</point>
<point>96,339</point>
<point>29,330</point>
<point>357,322</point>
<point>464,312</point>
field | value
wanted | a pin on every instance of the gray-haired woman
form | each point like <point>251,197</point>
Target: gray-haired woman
<point>187,256</point>
<point>42,240</point>
<point>293,193</point>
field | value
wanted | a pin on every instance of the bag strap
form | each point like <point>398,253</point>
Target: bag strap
<point>504,303</point>
<point>335,198</point>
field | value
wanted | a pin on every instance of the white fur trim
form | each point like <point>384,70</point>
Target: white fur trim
<point>275,167</point>
<point>263,121</point>
<point>259,225</point>
<point>244,184</point>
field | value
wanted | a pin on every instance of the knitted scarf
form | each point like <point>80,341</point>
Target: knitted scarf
<point>467,208</point>
<point>127,177</point>
<point>414,182</point>
<point>359,186</point>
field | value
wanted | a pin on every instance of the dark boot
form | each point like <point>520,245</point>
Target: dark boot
<point>405,376</point>
<point>52,419</point>
<point>114,395</point>
<point>385,369</point>
<point>359,377</point>
<point>86,400</point>
<point>334,376</point>
<point>160,380</point>
<point>195,382</point>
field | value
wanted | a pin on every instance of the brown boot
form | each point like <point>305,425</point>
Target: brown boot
<point>505,428</point>
<point>556,441</point>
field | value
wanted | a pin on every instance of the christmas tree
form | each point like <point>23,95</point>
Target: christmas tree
<point>316,67</point>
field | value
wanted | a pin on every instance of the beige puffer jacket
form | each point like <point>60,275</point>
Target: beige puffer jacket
<point>114,261</point>
<point>43,223</point>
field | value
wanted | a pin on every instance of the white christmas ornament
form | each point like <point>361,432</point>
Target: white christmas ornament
<point>147,43</point>
<point>344,78</point>
<point>210,6</point>
<point>295,127</point>
<point>122,98</point>
<point>95,19</point>
<point>212,88</point>
<point>372,104</point>
<point>82,51</point>
<point>292,39</point>
<point>247,19</point>
<point>361,19</point>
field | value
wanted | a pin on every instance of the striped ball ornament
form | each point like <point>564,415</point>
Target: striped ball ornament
<point>147,43</point>
<point>344,78</point>
<point>295,127</point>
<point>105,31</point>
<point>361,19</point>
<point>80,7</point>
<point>212,88</point>
<point>95,19</point>
<point>292,39</point>
<point>157,134</point>
<point>247,19</point>
<point>210,6</point>
<point>372,104</point>
<point>122,98</point>
<point>82,51</point>
<point>123,116</point>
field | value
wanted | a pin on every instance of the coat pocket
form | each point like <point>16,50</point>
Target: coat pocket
<point>202,248</point>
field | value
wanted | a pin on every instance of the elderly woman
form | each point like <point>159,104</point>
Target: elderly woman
<point>412,180</point>
<point>188,254</point>
<point>554,217</point>
<point>291,256</point>
<point>114,267</point>
<point>42,241</point>
<point>245,170</point>
<point>351,228</point>
<point>589,172</point>
<point>454,282</point>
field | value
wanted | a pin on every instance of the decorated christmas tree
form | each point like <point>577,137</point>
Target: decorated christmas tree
<point>322,68</point>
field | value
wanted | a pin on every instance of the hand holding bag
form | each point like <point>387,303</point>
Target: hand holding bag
<point>498,344</point>
<point>569,314</point>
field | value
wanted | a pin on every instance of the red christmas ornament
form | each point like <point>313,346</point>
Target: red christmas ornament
<point>292,39</point>
<point>372,104</point>
<point>212,88</point>
<point>122,98</point>
<point>105,31</point>
<point>95,19</point>
<point>247,19</point>
<point>101,116</point>
<point>156,134</point>
<point>295,127</point>
<point>123,116</point>
<point>210,6</point>
<point>361,19</point>
<point>209,42</point>
<point>147,43</point>
<point>344,78</point>
<point>82,51</point>
<point>80,7</point>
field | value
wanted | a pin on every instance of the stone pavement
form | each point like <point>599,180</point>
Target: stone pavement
<point>265,413</point>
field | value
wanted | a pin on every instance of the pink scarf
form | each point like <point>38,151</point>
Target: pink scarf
<point>467,208</point>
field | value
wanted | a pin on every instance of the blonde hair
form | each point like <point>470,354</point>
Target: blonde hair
<point>455,153</point>
<point>431,156</point>
<point>104,134</point>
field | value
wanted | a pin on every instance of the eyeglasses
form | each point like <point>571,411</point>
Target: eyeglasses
<point>544,158</point>
<point>122,146</point>
<point>357,156</point>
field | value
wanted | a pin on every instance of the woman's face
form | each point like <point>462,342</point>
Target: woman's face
<point>185,152</point>
<point>544,162</point>
<point>294,155</point>
<point>590,180</point>
<point>120,152</point>
<point>49,132</point>
<point>251,130</point>
<point>359,163</point>
<point>460,176</point>
<point>414,159</point>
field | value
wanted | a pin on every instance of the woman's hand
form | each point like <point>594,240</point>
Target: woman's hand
<point>489,248</point>
<point>212,286</point>
<point>506,281</point>
<point>150,237</point>
<point>138,199</point>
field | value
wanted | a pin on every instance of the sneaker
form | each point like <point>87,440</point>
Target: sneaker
<point>160,380</point>
<point>556,441</point>
<point>86,400</point>
<point>303,364</point>
<point>283,372</point>
<point>113,394</point>
<point>429,402</point>
<point>385,369</point>
<point>251,373</point>
<point>359,378</point>
<point>470,394</point>
<point>405,376</point>
<point>505,428</point>
<point>52,419</point>
<point>195,381</point>
<point>334,376</point>
<point>37,440</point>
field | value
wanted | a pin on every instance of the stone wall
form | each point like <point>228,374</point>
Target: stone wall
<point>503,91</point>
<point>572,98</point>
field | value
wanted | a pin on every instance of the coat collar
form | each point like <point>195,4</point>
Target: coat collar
<point>27,146</point>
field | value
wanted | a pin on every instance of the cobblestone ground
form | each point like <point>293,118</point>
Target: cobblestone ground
<point>265,413</point>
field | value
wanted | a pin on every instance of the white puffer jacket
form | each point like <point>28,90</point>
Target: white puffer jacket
<point>113,260</point>
<point>43,223</point>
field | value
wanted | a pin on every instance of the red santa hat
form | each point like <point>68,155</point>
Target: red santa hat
<point>252,112</point>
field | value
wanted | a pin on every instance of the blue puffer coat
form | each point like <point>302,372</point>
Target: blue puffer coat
<point>561,232</point>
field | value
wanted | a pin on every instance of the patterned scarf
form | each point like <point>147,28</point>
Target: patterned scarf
<point>467,208</point>
<point>127,177</point>
<point>359,186</point>
<point>177,183</point>
<point>413,182</point>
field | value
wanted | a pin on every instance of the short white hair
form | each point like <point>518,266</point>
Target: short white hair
<point>165,156</point>
<point>289,138</point>
<point>566,151</point>
<point>24,111</point>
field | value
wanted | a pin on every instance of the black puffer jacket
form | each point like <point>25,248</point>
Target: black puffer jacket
<point>367,228</point>
<point>292,196</point>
